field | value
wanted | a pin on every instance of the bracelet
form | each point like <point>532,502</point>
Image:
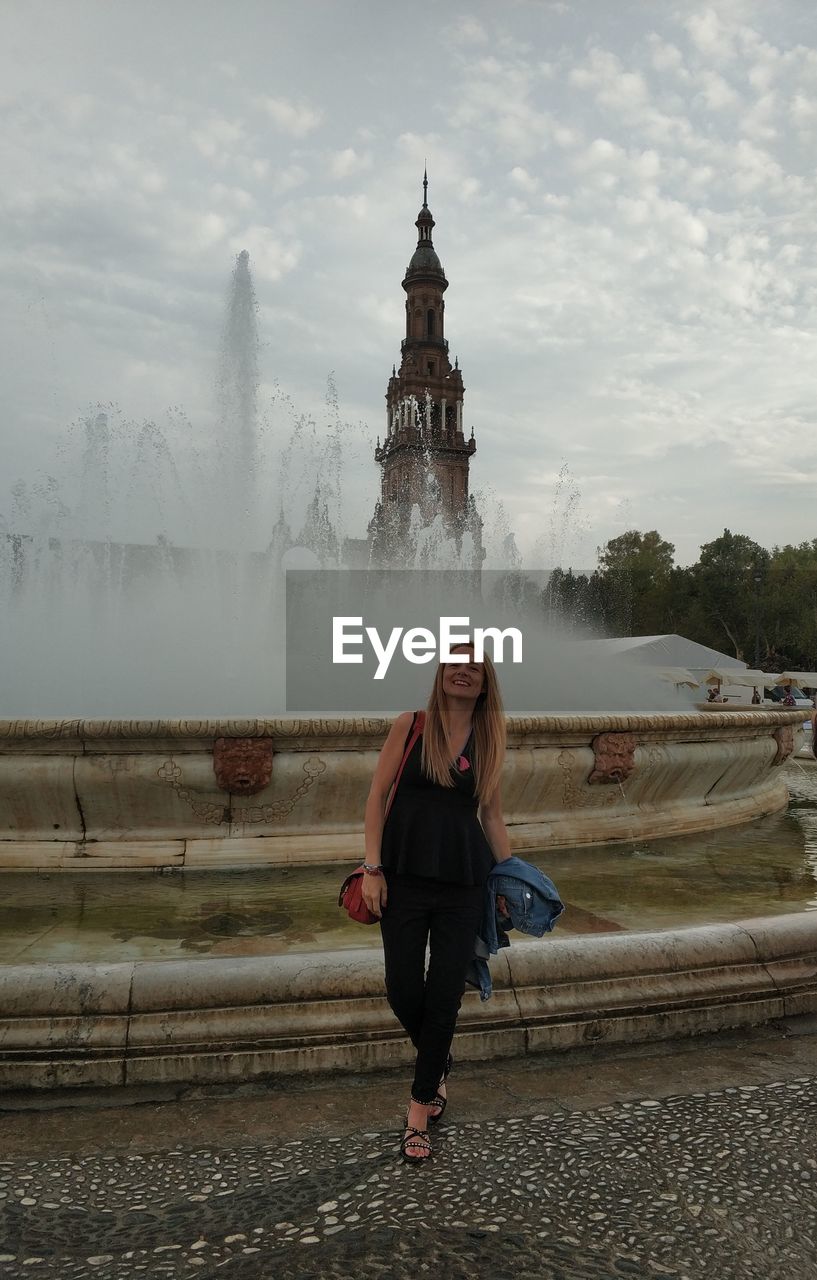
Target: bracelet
<point>372,870</point>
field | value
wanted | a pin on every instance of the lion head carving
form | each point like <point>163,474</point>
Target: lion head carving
<point>243,766</point>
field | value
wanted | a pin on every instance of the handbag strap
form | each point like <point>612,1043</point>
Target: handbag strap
<point>417,726</point>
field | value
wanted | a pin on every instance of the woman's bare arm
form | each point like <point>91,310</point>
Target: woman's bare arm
<point>493,824</point>
<point>374,887</point>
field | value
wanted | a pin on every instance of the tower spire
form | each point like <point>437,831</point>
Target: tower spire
<point>425,185</point>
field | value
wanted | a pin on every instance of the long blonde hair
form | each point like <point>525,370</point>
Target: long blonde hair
<point>489,731</point>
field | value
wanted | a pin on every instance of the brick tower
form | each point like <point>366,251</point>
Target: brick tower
<point>424,456</point>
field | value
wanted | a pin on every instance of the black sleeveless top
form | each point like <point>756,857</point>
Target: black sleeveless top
<point>434,831</point>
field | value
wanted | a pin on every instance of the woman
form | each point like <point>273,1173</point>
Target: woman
<point>426,868</point>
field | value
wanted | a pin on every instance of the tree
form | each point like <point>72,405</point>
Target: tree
<point>726,589</point>
<point>637,568</point>
<point>788,611</point>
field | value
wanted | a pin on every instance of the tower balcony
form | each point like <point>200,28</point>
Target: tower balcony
<point>411,439</point>
<point>441,343</point>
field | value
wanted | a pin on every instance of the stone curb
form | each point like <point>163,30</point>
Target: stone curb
<point>204,1020</point>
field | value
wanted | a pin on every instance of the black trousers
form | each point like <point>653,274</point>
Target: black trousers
<point>447,918</point>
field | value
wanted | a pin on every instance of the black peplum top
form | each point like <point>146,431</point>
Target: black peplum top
<point>434,831</point>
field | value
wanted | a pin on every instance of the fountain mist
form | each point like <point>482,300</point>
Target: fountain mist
<point>152,583</point>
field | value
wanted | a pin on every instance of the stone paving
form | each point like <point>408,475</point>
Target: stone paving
<point>716,1182</point>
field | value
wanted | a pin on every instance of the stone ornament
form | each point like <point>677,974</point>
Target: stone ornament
<point>217,815</point>
<point>243,766</point>
<point>614,758</point>
<point>313,768</point>
<point>784,737</point>
<point>577,796</point>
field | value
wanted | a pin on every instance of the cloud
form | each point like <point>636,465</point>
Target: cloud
<point>467,30</point>
<point>217,137</point>
<point>803,110</point>
<point>613,86</point>
<point>754,167</point>
<point>79,108</point>
<point>523,179</point>
<point>498,97</point>
<point>294,118</point>
<point>665,56</point>
<point>232,197</point>
<point>710,34</point>
<point>715,92</point>
<point>202,232</point>
<point>287,179</point>
<point>347,162</point>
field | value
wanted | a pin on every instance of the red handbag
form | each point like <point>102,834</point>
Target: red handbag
<point>351,891</point>
<point>351,897</point>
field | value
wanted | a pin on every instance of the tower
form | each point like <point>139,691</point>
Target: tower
<point>424,456</point>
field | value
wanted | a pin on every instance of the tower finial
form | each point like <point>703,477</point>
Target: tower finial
<point>425,185</point>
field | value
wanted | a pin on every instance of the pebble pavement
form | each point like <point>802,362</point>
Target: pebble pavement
<point>719,1184</point>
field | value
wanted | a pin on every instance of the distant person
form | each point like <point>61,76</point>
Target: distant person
<point>755,698</point>
<point>712,696</point>
<point>788,696</point>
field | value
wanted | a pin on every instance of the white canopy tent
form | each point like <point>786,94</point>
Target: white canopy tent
<point>687,666</point>
<point>667,652</point>
<point>677,676</point>
<point>729,675</point>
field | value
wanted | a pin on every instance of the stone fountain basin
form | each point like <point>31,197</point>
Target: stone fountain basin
<point>179,1022</point>
<point>84,794</point>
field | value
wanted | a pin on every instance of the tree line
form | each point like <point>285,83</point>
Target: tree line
<point>758,605</point>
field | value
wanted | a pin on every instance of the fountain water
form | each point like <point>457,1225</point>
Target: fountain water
<point>153,584</point>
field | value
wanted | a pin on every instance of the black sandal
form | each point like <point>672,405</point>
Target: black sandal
<point>415,1140</point>
<point>439,1100</point>
<point>442,1103</point>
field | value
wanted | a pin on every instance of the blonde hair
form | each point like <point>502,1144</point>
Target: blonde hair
<point>489,731</point>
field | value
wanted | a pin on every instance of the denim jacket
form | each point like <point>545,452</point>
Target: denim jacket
<point>533,906</point>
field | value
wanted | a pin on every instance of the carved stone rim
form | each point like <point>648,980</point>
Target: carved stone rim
<point>286,728</point>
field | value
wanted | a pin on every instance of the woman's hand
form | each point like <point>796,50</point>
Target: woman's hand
<point>374,893</point>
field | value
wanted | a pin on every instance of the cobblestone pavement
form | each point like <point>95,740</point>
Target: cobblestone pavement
<point>719,1184</point>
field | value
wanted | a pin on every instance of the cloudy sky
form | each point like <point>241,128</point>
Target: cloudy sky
<point>625,204</point>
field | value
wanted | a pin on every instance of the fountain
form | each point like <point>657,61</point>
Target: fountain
<point>145,728</point>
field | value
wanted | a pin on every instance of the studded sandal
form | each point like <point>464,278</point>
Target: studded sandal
<point>439,1100</point>
<point>415,1140</point>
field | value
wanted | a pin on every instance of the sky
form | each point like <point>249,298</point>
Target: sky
<point>625,204</point>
